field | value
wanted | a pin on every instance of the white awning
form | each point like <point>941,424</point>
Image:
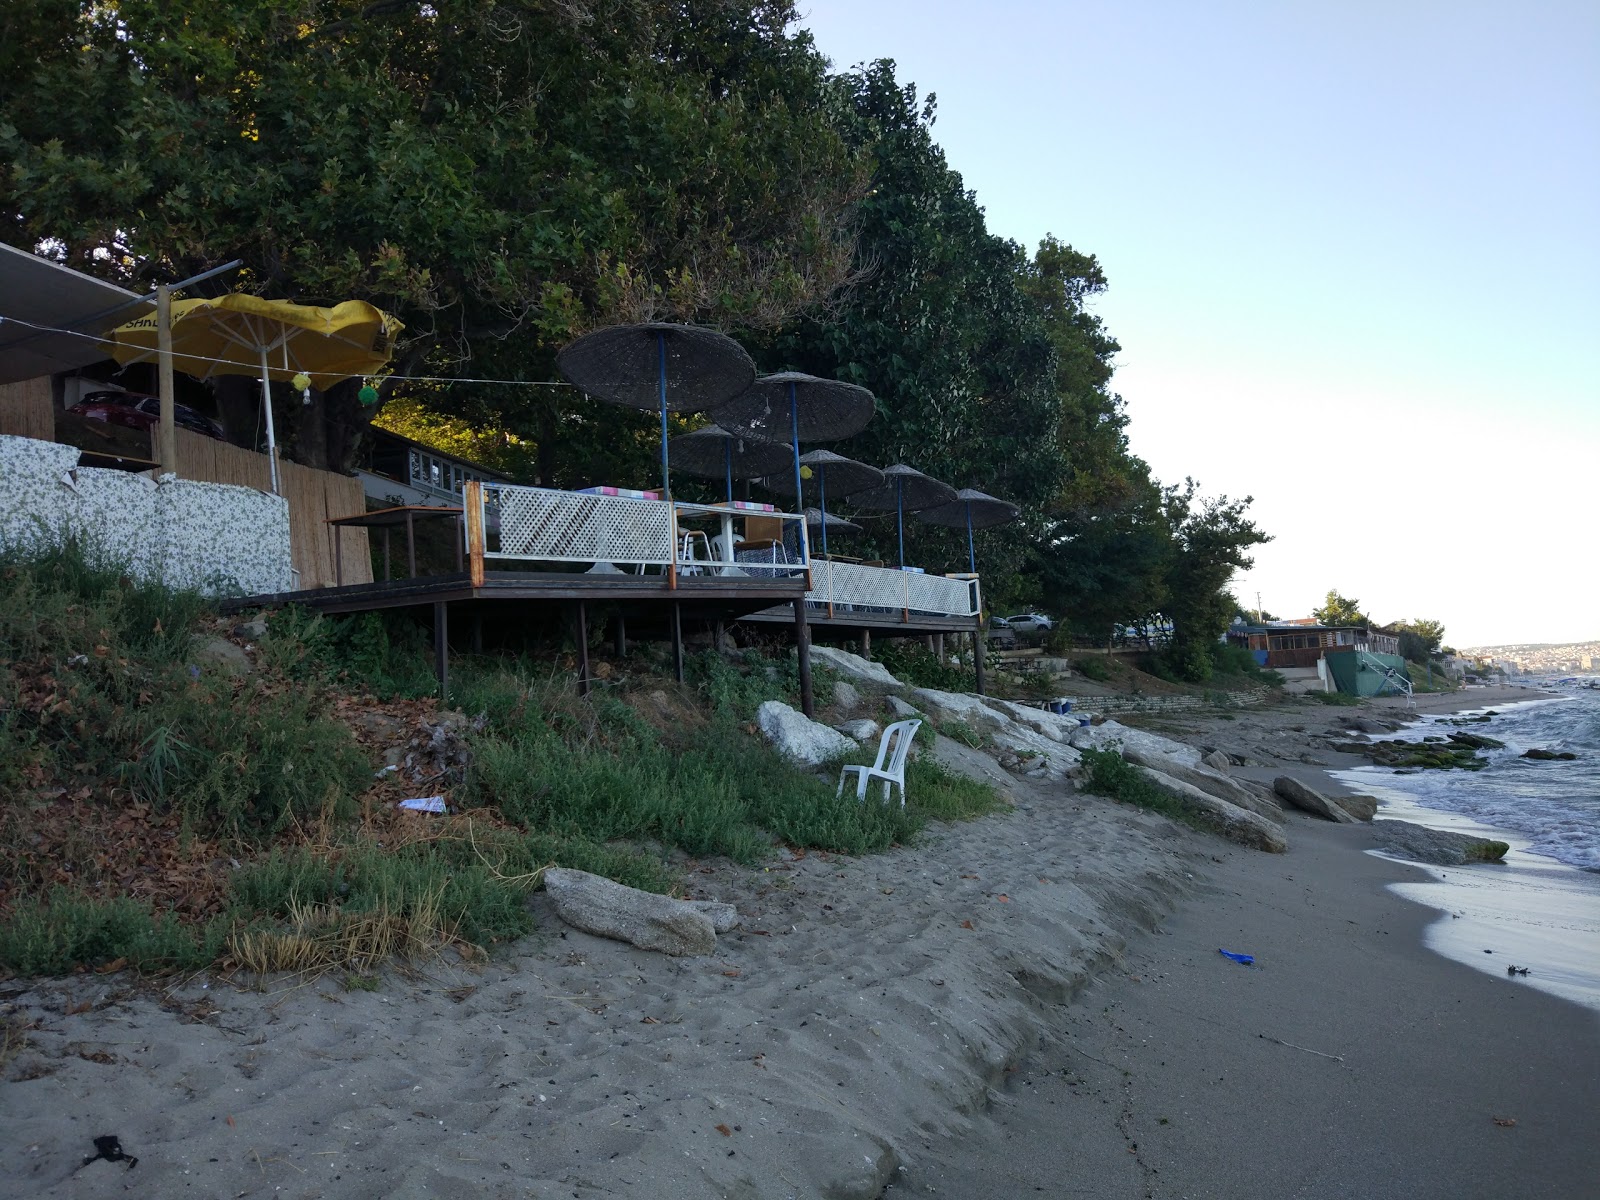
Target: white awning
<point>37,292</point>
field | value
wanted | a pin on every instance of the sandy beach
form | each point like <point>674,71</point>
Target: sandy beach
<point>914,1021</point>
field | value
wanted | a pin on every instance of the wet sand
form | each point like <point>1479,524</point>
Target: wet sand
<point>1171,1076</point>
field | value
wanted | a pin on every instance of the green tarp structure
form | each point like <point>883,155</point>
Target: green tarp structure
<point>1362,673</point>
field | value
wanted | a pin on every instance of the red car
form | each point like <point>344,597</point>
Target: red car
<point>137,411</point>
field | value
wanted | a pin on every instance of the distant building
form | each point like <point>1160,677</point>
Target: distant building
<point>1355,659</point>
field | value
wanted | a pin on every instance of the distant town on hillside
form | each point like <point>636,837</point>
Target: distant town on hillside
<point>1540,658</point>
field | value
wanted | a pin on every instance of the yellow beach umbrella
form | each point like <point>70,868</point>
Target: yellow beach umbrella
<point>270,339</point>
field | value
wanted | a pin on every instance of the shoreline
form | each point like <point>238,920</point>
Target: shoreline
<point>1350,1061</point>
<point>1155,1087</point>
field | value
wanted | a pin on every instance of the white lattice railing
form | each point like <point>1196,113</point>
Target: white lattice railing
<point>546,525</point>
<point>851,587</point>
<point>552,526</point>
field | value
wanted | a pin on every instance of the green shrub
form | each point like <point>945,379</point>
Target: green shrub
<point>1093,667</point>
<point>1338,699</point>
<point>1108,774</point>
<point>69,931</point>
<point>386,653</point>
<point>910,661</point>
<point>128,705</point>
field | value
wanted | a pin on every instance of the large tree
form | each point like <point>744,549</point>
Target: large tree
<point>1211,539</point>
<point>501,174</point>
<point>1340,610</point>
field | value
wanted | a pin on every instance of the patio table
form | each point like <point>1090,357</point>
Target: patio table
<point>388,519</point>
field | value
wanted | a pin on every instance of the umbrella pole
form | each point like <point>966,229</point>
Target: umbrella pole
<point>972,555</point>
<point>272,437</point>
<point>666,480</point>
<point>794,433</point>
<point>900,517</point>
<point>727,457</point>
<point>822,505</point>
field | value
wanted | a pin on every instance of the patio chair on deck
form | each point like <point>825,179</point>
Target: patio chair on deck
<point>891,765</point>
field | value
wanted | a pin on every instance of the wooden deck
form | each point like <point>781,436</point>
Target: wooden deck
<point>652,605</point>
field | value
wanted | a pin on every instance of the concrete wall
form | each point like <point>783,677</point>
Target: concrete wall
<point>219,539</point>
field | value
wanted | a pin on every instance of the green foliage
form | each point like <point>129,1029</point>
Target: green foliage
<point>1228,659</point>
<point>438,876</point>
<point>910,661</point>
<point>1093,667</point>
<point>69,931</point>
<point>132,707</point>
<point>1339,610</point>
<point>1420,639</point>
<point>703,784</point>
<point>475,167</point>
<point>385,653</point>
<point>1211,538</point>
<point>1336,699</point>
<point>1108,774</point>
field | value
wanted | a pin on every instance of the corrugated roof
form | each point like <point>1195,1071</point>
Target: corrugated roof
<point>39,292</point>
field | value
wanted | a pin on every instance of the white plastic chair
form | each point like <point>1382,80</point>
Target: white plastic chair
<point>686,552</point>
<point>891,765</point>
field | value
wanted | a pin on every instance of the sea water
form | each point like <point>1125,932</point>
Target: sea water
<point>1541,909</point>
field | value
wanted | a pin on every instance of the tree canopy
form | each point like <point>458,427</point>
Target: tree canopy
<point>1339,610</point>
<point>504,175</point>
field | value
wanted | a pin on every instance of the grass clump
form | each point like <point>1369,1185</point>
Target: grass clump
<point>1336,699</point>
<point>386,654</point>
<point>1110,775</point>
<point>1090,667</point>
<point>68,930</point>
<point>680,768</point>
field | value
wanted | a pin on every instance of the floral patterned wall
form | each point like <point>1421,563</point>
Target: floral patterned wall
<point>216,538</point>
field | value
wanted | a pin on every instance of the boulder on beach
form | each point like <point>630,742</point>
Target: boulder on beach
<point>1232,822</point>
<point>853,666</point>
<point>1549,755</point>
<point>608,909</point>
<point>798,738</point>
<point>1418,843</point>
<point>1220,786</point>
<point>1308,799</point>
<point>1362,808</point>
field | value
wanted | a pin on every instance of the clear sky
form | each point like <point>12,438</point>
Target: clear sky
<point>1354,253</point>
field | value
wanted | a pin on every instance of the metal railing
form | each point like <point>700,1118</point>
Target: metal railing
<point>851,588</point>
<point>546,525</point>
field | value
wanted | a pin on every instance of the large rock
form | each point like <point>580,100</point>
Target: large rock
<point>1308,799</point>
<point>1362,808</point>
<point>798,738</point>
<point>1417,843</point>
<point>1232,822</point>
<point>1110,735</point>
<point>1210,782</point>
<point>845,697</point>
<point>220,654</point>
<point>854,666</point>
<point>1218,761</point>
<point>862,729</point>
<point>970,710</point>
<point>901,710</point>
<point>1057,727</point>
<point>608,909</point>
<point>1021,746</point>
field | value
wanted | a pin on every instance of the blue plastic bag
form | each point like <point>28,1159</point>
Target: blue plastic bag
<point>1244,959</point>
